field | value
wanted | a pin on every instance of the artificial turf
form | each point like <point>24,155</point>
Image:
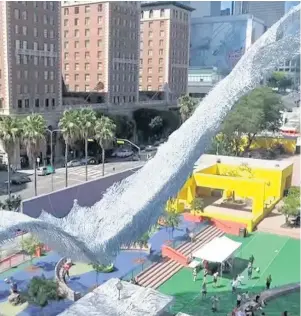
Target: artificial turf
<point>275,255</point>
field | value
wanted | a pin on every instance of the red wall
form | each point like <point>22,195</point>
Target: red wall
<point>174,255</point>
<point>192,218</point>
<point>227,226</point>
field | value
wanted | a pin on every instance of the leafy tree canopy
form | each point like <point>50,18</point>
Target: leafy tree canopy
<point>258,111</point>
<point>291,203</point>
<point>187,106</point>
<point>198,204</point>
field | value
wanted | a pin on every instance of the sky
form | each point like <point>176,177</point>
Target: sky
<point>288,4</point>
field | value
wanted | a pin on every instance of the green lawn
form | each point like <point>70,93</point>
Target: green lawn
<point>275,255</point>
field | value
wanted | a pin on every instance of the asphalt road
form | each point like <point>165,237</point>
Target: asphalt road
<point>76,175</point>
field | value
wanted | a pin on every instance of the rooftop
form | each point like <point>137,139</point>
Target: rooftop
<point>134,301</point>
<point>206,161</point>
<point>225,19</point>
<point>151,4</point>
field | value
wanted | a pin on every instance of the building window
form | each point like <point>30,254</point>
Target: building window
<point>46,33</point>
<point>26,103</point>
<point>66,22</point>
<point>46,103</point>
<point>76,21</point>
<point>17,14</point>
<point>76,33</point>
<point>142,14</point>
<point>100,8</point>
<point>150,34</point>
<point>160,52</point>
<point>161,23</point>
<point>87,77</point>
<point>76,77</point>
<point>87,88</point>
<point>37,103</point>
<point>87,66</point>
<point>150,24</point>
<point>46,88</point>
<point>25,74</point>
<point>76,55</point>
<point>35,60</point>
<point>160,79</point>
<point>99,77</point>
<point>76,44</point>
<point>87,32</point>
<point>149,70</point>
<point>99,54</point>
<point>76,88</point>
<point>150,52</point>
<point>87,21</point>
<point>24,30</point>
<point>87,44</point>
<point>99,31</point>
<point>25,59</point>
<point>99,42</point>
<point>161,33</point>
<point>99,66</point>
<point>45,19</point>
<point>66,33</point>
<point>87,9</point>
<point>161,42</point>
<point>53,103</point>
<point>149,79</point>
<point>162,13</point>
<point>150,43</point>
<point>99,20</point>
<point>160,61</point>
<point>20,103</point>
<point>87,55</point>
<point>149,61</point>
<point>76,66</point>
<point>66,55</point>
<point>149,88</point>
<point>67,67</point>
<point>76,10</point>
<point>151,13</point>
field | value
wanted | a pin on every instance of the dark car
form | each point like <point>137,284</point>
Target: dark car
<point>19,180</point>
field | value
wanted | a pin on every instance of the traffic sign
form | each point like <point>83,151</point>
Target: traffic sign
<point>120,142</point>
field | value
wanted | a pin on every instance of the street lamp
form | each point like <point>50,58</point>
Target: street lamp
<point>119,287</point>
<point>51,131</point>
<point>191,235</point>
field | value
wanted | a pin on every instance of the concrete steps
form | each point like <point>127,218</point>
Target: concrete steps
<point>160,272</point>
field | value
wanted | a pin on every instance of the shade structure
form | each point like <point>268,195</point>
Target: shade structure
<point>134,301</point>
<point>218,250</point>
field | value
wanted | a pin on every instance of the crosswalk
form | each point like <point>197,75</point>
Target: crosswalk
<point>95,171</point>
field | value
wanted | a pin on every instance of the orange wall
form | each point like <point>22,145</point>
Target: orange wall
<point>227,226</point>
<point>174,255</point>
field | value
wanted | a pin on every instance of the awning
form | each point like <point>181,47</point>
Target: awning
<point>218,249</point>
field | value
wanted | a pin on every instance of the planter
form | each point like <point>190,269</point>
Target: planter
<point>38,252</point>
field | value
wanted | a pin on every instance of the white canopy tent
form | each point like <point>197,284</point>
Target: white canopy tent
<point>218,250</point>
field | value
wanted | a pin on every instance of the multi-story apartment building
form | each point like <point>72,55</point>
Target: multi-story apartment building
<point>267,11</point>
<point>100,48</point>
<point>164,46</point>
<point>30,76</point>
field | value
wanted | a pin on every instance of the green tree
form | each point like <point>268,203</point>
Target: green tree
<point>70,127</point>
<point>258,111</point>
<point>87,121</point>
<point>187,106</point>
<point>104,133</point>
<point>156,125</point>
<point>9,135</point>
<point>291,204</point>
<point>172,219</point>
<point>33,136</point>
<point>40,290</point>
<point>11,204</point>
<point>30,245</point>
<point>280,80</point>
<point>197,204</point>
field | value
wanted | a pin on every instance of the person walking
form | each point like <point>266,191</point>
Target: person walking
<point>194,273</point>
<point>268,282</point>
<point>238,300</point>
<point>214,301</point>
<point>204,289</point>
<point>250,271</point>
<point>251,260</point>
<point>215,278</point>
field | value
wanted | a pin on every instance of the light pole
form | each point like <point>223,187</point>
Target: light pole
<point>51,131</point>
<point>119,287</point>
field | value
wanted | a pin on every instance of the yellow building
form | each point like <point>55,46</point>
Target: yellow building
<point>234,190</point>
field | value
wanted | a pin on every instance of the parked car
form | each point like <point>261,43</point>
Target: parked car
<point>44,171</point>
<point>90,161</point>
<point>149,148</point>
<point>74,163</point>
<point>19,180</point>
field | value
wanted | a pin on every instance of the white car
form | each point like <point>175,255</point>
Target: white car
<point>123,153</point>
<point>73,163</point>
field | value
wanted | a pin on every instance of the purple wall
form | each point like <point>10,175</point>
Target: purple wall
<point>59,203</point>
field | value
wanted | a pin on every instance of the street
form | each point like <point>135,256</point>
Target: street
<point>76,175</point>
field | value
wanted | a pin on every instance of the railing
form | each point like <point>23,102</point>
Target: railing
<point>13,261</point>
<point>148,261</point>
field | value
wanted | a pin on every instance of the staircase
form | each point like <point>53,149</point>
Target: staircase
<point>160,272</point>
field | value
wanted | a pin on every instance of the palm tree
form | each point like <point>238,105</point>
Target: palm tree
<point>69,125</point>
<point>197,204</point>
<point>187,106</point>
<point>172,219</point>
<point>9,134</point>
<point>33,135</point>
<point>87,120</point>
<point>104,133</point>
